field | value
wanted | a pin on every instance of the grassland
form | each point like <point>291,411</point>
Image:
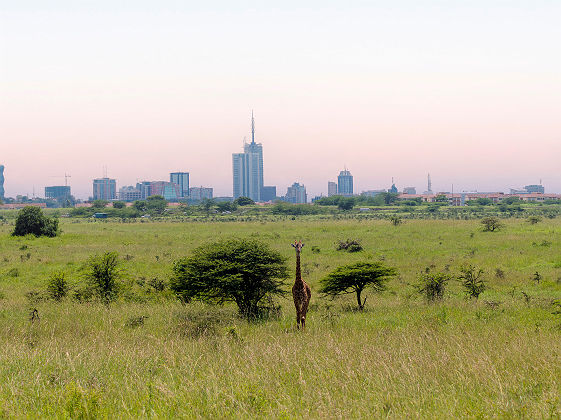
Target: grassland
<point>149,356</point>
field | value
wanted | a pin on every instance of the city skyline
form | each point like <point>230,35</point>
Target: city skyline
<point>386,89</point>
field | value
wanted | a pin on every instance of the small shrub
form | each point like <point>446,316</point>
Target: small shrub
<point>534,220</point>
<point>396,220</point>
<point>102,274</point>
<point>350,245</point>
<point>499,273</point>
<point>537,277</point>
<point>157,284</point>
<point>471,279</point>
<point>316,249</point>
<point>57,288</point>
<point>135,321</point>
<point>13,272</point>
<point>432,285</point>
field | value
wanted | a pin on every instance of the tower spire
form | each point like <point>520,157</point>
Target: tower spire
<point>252,128</point>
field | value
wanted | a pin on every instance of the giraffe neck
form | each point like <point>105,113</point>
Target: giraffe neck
<point>298,272</point>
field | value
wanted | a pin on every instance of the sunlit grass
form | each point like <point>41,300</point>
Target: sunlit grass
<point>499,356</point>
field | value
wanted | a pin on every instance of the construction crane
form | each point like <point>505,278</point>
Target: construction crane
<point>66,176</point>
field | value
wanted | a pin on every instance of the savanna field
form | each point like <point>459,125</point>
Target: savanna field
<point>148,355</point>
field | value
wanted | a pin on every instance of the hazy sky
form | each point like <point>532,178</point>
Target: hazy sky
<point>469,91</point>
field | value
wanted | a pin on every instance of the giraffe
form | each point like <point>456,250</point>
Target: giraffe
<point>301,292</point>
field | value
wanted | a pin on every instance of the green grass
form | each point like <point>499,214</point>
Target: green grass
<point>149,356</point>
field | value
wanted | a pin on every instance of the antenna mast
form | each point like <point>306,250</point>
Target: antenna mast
<point>252,128</point>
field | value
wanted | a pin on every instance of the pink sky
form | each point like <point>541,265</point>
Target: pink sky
<point>470,93</point>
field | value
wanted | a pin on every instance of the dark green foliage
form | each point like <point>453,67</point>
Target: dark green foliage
<point>471,279</point>
<point>140,205</point>
<point>346,203</point>
<point>354,278</point>
<point>396,220</point>
<point>119,205</point>
<point>99,204</point>
<point>293,209</point>
<point>57,287</point>
<point>432,285</point>
<point>102,274</point>
<point>240,270</point>
<point>31,220</point>
<point>441,199</point>
<point>350,245</point>
<point>491,224</point>
<point>156,204</point>
<point>534,220</point>
<point>224,206</point>
<point>537,277</point>
<point>244,201</point>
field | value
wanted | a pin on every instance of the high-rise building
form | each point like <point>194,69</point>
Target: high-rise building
<point>1,182</point>
<point>247,169</point>
<point>181,179</point>
<point>268,193</point>
<point>410,190</point>
<point>296,194</point>
<point>104,189</point>
<point>331,188</point>
<point>345,183</point>
<point>200,193</point>
<point>59,192</point>
<point>144,188</point>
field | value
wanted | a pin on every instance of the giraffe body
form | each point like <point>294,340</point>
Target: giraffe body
<point>301,291</point>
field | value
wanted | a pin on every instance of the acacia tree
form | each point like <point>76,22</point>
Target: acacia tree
<point>354,278</point>
<point>491,224</point>
<point>237,270</point>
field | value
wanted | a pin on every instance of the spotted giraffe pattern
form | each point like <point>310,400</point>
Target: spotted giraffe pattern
<point>301,292</point>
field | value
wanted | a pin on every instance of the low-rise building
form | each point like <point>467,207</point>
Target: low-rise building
<point>200,193</point>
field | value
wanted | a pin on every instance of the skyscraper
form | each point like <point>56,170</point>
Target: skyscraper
<point>296,194</point>
<point>247,169</point>
<point>345,183</point>
<point>331,188</point>
<point>104,189</point>
<point>1,182</point>
<point>181,179</point>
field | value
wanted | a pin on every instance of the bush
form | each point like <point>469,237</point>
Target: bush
<point>31,220</point>
<point>432,285</point>
<point>472,281</point>
<point>396,220</point>
<point>350,245</point>
<point>534,220</point>
<point>237,270</point>
<point>57,288</point>
<point>102,274</point>
<point>244,201</point>
<point>119,205</point>
<point>354,278</point>
<point>491,224</point>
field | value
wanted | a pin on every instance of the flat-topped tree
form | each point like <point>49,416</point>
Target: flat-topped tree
<point>355,278</point>
<point>243,271</point>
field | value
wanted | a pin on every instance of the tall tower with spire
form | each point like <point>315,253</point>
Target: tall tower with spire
<point>248,169</point>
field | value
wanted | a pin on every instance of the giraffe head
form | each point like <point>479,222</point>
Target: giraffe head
<point>298,245</point>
